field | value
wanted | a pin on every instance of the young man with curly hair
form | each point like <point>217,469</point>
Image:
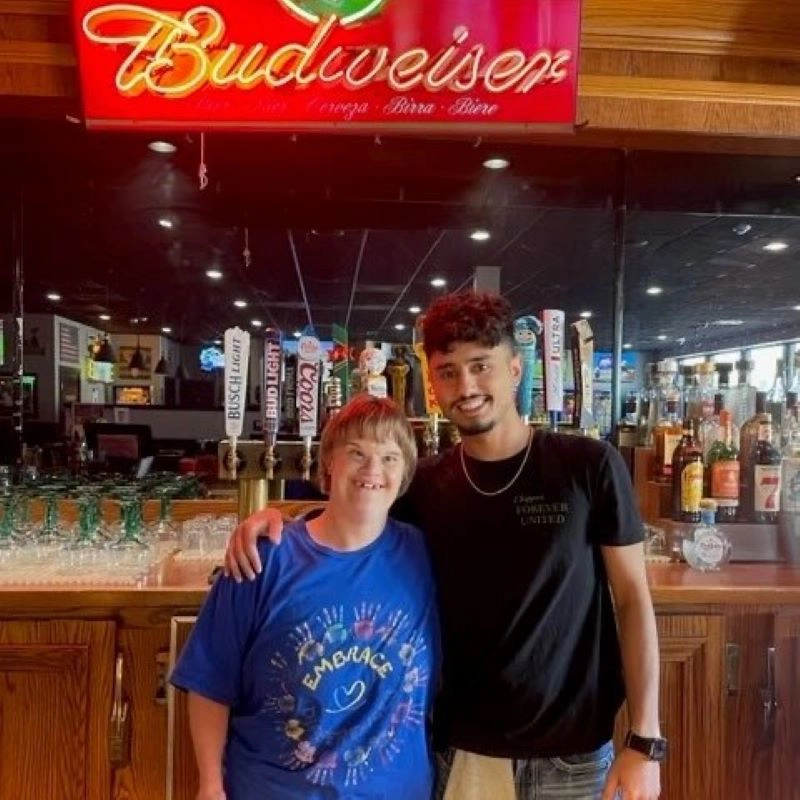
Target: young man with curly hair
<point>531,534</point>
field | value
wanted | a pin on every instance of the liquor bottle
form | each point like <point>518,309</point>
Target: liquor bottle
<point>790,474</point>
<point>722,471</point>
<point>700,399</point>
<point>708,431</point>
<point>687,477</point>
<point>648,409</point>
<point>776,398</point>
<point>667,435</point>
<point>687,384</point>
<point>748,439</point>
<point>743,398</point>
<point>794,386</point>
<point>791,420</point>
<point>708,548</point>
<point>766,477</point>
<point>724,370</point>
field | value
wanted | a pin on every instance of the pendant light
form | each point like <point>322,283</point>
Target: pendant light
<point>105,352</point>
<point>136,364</point>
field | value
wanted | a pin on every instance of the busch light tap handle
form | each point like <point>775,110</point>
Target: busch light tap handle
<point>237,358</point>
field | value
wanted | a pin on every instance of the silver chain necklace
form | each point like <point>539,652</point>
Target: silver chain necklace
<point>510,483</point>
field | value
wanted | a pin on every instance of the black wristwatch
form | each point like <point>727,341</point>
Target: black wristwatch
<point>653,749</point>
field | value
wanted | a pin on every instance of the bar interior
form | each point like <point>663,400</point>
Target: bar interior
<point>189,295</point>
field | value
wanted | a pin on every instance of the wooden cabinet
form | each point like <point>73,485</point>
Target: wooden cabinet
<point>786,682</point>
<point>55,704</point>
<point>181,770</point>
<point>692,704</point>
<point>691,708</point>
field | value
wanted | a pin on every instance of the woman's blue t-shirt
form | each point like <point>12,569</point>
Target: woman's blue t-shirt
<point>329,662</point>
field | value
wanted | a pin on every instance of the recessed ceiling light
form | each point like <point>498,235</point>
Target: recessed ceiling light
<point>399,327</point>
<point>214,274</point>
<point>480,235</point>
<point>297,334</point>
<point>218,342</point>
<point>776,247</point>
<point>438,283</point>
<point>166,329</point>
<point>240,303</point>
<point>165,223</point>
<point>497,163</point>
<point>53,296</point>
<point>797,308</point>
<point>165,148</point>
<point>627,346</point>
<point>661,337</point>
<point>105,317</point>
<point>742,229</point>
<point>728,323</point>
<point>654,290</point>
<point>585,315</point>
<point>256,323</point>
<point>797,178</point>
<point>414,310</point>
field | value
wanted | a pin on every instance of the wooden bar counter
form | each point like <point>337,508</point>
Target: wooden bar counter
<point>86,712</point>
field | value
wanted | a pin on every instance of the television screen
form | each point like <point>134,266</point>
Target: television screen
<point>211,358</point>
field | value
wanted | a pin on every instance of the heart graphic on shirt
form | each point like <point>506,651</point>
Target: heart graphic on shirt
<point>346,698</point>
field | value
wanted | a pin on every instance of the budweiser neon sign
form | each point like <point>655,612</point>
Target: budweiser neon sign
<point>305,63</point>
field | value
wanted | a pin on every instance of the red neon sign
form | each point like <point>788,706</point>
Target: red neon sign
<point>313,63</point>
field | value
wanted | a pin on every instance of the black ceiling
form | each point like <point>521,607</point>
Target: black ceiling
<point>351,230</point>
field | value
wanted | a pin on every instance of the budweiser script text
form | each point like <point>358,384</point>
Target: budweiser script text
<point>175,55</point>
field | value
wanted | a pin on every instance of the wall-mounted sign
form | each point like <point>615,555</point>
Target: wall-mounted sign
<point>310,63</point>
<point>68,347</point>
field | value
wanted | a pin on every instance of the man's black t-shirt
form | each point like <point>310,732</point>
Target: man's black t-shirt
<point>532,664</point>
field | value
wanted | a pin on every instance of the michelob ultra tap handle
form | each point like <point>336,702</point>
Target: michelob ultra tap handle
<point>553,359</point>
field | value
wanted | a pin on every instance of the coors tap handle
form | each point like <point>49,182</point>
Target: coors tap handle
<point>271,396</point>
<point>526,329</point>
<point>553,358</point>
<point>237,357</point>
<point>309,357</point>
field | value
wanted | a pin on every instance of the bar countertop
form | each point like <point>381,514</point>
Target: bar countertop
<point>182,584</point>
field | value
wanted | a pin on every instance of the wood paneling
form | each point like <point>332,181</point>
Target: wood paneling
<point>182,771</point>
<point>787,693</point>
<point>748,775</point>
<point>55,703</point>
<point>691,708</point>
<point>146,776</point>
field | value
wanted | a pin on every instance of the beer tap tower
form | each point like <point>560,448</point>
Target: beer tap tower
<point>261,467</point>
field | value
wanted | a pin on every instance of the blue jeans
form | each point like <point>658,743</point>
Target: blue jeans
<point>578,777</point>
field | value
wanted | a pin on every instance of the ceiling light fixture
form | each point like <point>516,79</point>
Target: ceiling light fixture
<point>166,329</point>
<point>162,368</point>
<point>776,247</point>
<point>414,310</point>
<point>164,148</point>
<point>497,163</point>
<point>399,327</point>
<point>728,323</point>
<point>136,364</point>
<point>796,308</point>
<point>585,315</point>
<point>217,342</point>
<point>105,353</point>
<point>661,337</point>
<point>627,346</point>
<point>53,296</point>
<point>654,290</point>
<point>105,317</point>
<point>438,283</point>
<point>214,274</point>
<point>240,303</point>
<point>480,235</point>
<point>297,334</point>
<point>256,323</point>
<point>165,223</point>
